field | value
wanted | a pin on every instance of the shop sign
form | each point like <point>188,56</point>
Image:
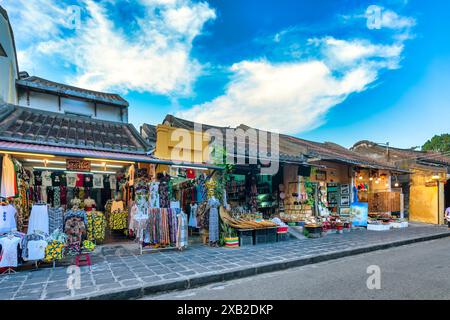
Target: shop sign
<point>78,165</point>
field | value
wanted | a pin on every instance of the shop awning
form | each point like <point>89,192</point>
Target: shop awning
<point>43,150</point>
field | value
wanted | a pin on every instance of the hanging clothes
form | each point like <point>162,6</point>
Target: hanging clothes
<point>56,219</point>
<point>39,221</point>
<point>8,180</point>
<point>182,233</point>
<point>118,220</point>
<point>213,219</point>
<point>9,253</point>
<point>154,195</point>
<point>7,218</point>
<point>193,216</point>
<point>96,226</point>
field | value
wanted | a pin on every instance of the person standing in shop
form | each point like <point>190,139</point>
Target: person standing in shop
<point>447,216</point>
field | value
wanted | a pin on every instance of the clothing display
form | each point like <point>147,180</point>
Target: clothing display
<point>98,181</point>
<point>164,196</point>
<point>118,220</point>
<point>8,179</point>
<point>9,253</point>
<point>71,180</point>
<point>154,195</point>
<point>54,251</point>
<point>75,229</point>
<point>39,220</point>
<point>46,178</point>
<point>193,217</point>
<point>131,172</point>
<point>88,180</point>
<point>182,233</point>
<point>37,178</point>
<point>36,249</point>
<point>7,218</point>
<point>96,226</point>
<point>214,204</point>
<point>117,206</point>
<point>89,204</point>
<point>80,180</point>
<point>56,219</point>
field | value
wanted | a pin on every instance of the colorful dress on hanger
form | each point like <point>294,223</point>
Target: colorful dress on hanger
<point>154,195</point>
<point>213,219</point>
<point>96,226</point>
<point>193,217</point>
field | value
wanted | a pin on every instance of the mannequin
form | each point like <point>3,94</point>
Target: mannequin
<point>89,203</point>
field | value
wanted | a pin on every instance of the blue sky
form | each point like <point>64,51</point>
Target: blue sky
<point>336,71</point>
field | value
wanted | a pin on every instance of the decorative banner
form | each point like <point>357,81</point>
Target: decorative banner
<point>78,165</point>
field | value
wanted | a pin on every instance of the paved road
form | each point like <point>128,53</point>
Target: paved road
<point>418,271</point>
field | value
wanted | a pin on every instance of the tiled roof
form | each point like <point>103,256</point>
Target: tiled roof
<point>148,131</point>
<point>334,152</point>
<point>398,155</point>
<point>298,150</point>
<point>20,124</point>
<point>63,89</point>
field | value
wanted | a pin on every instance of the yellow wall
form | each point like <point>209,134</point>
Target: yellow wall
<point>423,200</point>
<point>181,145</point>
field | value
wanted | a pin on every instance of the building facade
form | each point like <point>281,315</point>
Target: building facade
<point>426,188</point>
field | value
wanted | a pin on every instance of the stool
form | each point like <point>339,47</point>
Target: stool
<point>85,262</point>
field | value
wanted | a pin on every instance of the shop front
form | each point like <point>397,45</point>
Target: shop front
<point>69,184</point>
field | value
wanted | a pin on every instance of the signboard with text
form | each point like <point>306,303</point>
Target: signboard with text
<point>78,165</point>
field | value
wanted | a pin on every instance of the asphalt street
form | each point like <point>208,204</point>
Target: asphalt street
<point>418,271</point>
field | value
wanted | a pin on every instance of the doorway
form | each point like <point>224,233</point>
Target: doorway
<point>447,194</point>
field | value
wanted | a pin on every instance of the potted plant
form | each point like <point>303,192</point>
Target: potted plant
<point>230,238</point>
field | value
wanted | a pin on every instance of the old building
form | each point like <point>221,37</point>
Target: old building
<point>38,93</point>
<point>426,188</point>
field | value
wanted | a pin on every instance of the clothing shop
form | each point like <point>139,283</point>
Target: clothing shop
<point>71,183</point>
<point>185,196</point>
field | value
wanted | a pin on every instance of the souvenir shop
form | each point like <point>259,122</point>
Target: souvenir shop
<point>55,206</point>
<point>334,198</point>
<point>378,193</point>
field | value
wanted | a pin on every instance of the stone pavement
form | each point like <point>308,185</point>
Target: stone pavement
<point>119,272</point>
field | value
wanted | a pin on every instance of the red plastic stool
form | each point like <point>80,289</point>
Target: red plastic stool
<point>85,262</point>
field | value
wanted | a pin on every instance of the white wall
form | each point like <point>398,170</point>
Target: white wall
<point>108,112</point>
<point>39,101</point>
<point>8,67</point>
<point>49,102</point>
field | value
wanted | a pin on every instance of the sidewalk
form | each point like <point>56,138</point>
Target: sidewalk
<point>118,271</point>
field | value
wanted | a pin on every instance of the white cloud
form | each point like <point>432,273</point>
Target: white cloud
<point>157,59</point>
<point>391,20</point>
<point>294,97</point>
<point>341,53</point>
